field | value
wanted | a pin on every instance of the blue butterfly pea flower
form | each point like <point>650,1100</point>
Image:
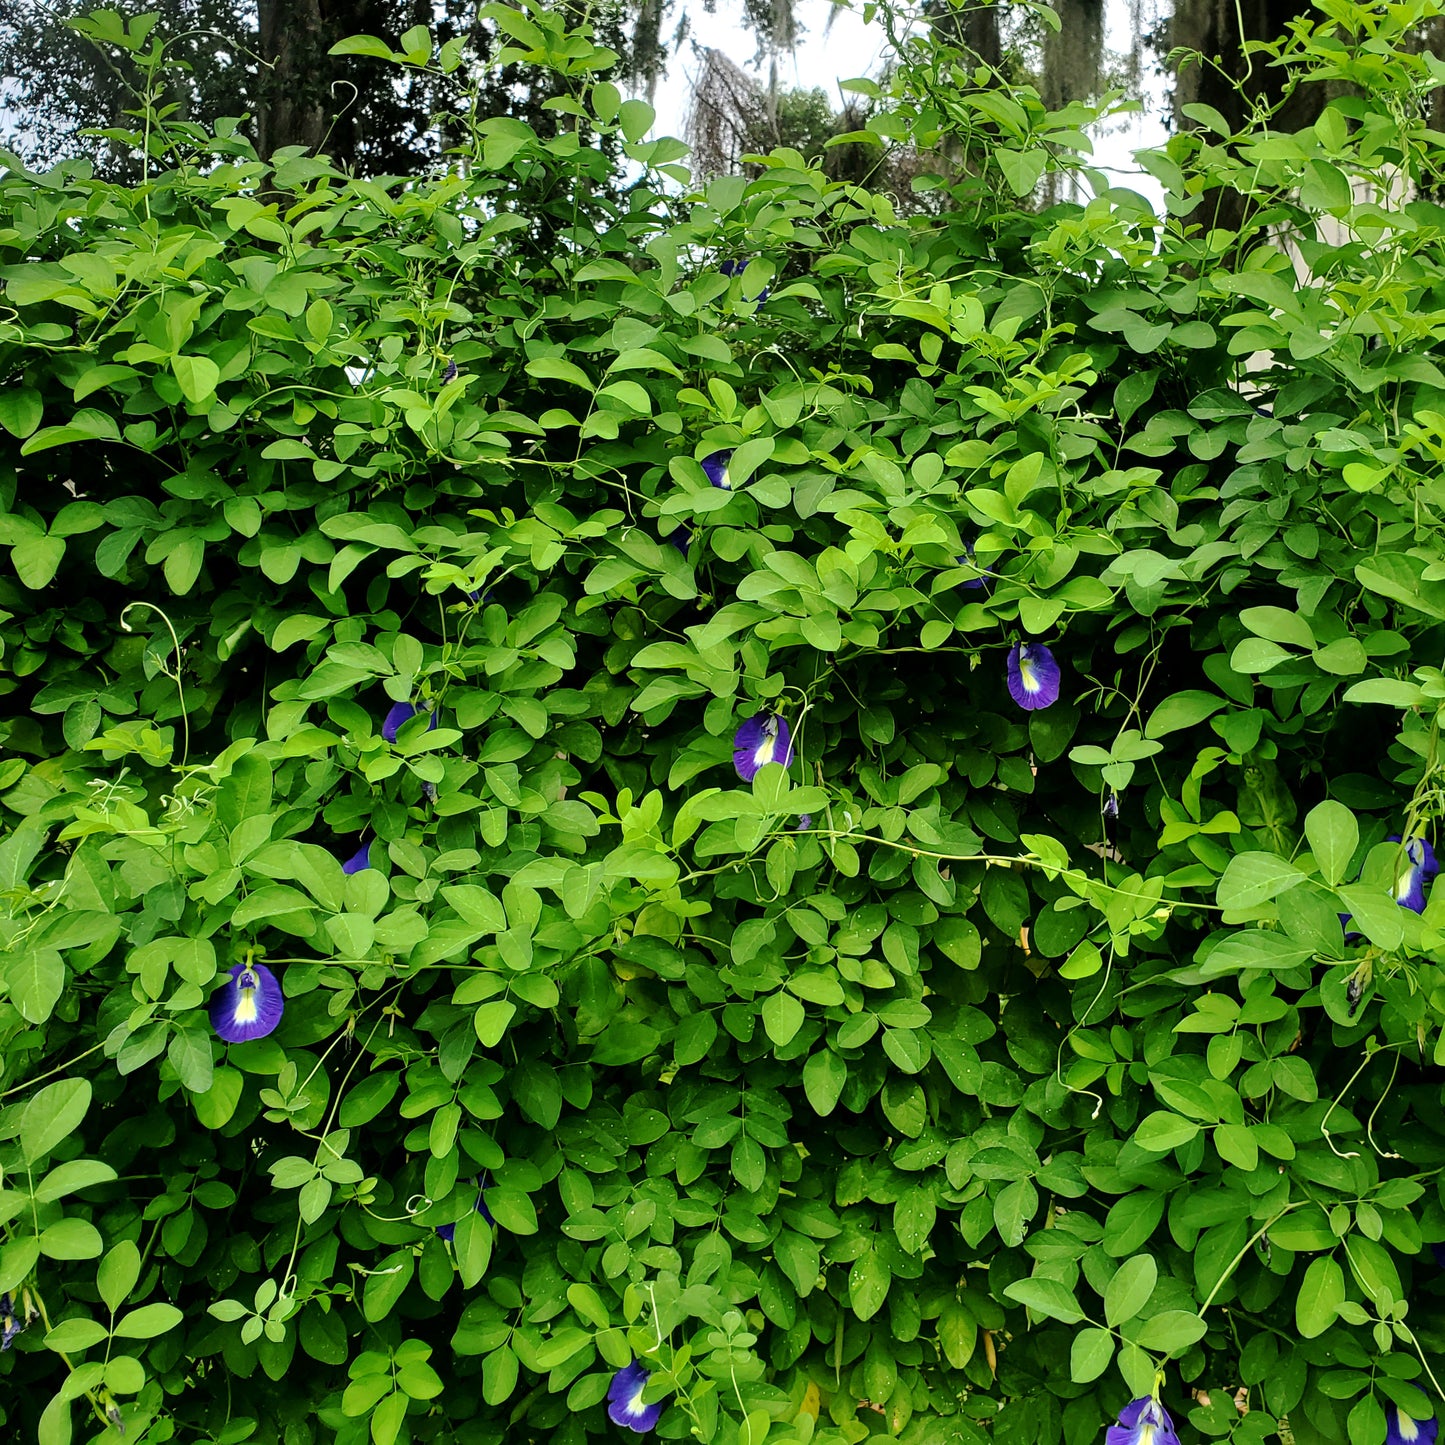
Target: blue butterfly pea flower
<point>1420,868</point>
<point>968,560</point>
<point>715,466</point>
<point>736,267</point>
<point>1142,1422</point>
<point>397,714</point>
<point>762,739</point>
<point>449,1231</point>
<point>249,1006</point>
<point>624,1400</point>
<point>1403,1429</point>
<point>1033,675</point>
<point>11,1323</point>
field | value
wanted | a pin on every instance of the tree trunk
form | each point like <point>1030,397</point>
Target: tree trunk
<point>290,108</point>
<point>974,30</point>
<point>1071,57</point>
<point>1234,83</point>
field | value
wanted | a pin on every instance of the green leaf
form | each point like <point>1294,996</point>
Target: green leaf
<point>148,1321</point>
<point>1391,691</point>
<point>555,368</point>
<point>36,978</point>
<point>269,902</point>
<point>1090,1355</point>
<point>868,1283</point>
<point>369,45</point>
<point>1401,579</point>
<point>183,564</point>
<point>1210,117</point>
<point>118,1273</point>
<point>1182,710</point>
<point>1374,913</point>
<point>1256,654</point>
<point>1128,1291</point>
<point>216,1106</point>
<point>1013,1209</point>
<point>1132,392</point>
<point>783,1016</point>
<point>1021,169</point>
<point>71,1239</point>
<point>1254,878</point>
<point>87,424</point>
<point>246,792</point>
<point>386,1284</point>
<point>1162,1131</point>
<point>1326,188</point>
<point>71,1177</point>
<point>17,1259</point>
<point>76,1334</point>
<point>473,1245</point>
<point>1333,836</point>
<point>52,1115</point>
<point>191,1056</point>
<point>636,118</point>
<point>513,1210</point>
<point>55,1422</point>
<point>914,1216</point>
<point>491,1021</point>
<point>387,1419</point>
<point>1278,626</point>
<point>824,1075</point>
<point>20,410</point>
<point>197,376</point>
<point>1046,1297</point>
<point>1321,1293</point>
<point>416,45</point>
<point>1171,1331</point>
<point>37,559</point>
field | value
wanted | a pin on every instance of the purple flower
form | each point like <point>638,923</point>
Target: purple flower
<point>450,374</point>
<point>399,713</point>
<point>358,860</point>
<point>1033,675</point>
<point>1142,1422</point>
<point>736,267</point>
<point>804,823</point>
<point>249,1006</point>
<point>968,560</point>
<point>1111,819</point>
<point>681,539</point>
<point>1420,868</point>
<point>1402,1429</point>
<point>1438,1250</point>
<point>448,1232</point>
<point>624,1400</point>
<point>10,1323</point>
<point>716,467</point>
<point>762,739</point>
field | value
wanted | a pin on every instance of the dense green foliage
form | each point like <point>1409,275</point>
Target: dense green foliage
<point>935,1115</point>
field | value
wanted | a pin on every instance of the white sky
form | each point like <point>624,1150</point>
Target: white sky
<point>849,49</point>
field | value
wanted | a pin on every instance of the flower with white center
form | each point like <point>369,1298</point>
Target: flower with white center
<point>624,1400</point>
<point>1033,675</point>
<point>762,739</point>
<point>249,1006</point>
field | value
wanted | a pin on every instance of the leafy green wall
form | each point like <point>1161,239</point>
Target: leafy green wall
<point>949,1113</point>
